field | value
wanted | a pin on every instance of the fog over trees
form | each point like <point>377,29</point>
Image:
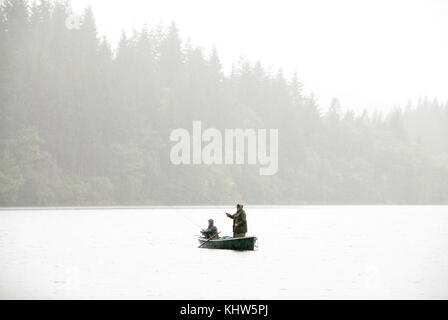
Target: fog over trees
<point>82,124</point>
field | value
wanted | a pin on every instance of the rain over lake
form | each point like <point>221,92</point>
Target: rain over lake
<point>304,252</point>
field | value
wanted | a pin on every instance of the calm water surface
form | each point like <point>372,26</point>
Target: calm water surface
<point>151,253</point>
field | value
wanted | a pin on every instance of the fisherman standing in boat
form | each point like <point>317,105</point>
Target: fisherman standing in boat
<point>211,232</point>
<point>239,222</point>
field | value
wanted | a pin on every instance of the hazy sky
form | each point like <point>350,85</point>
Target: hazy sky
<point>369,54</point>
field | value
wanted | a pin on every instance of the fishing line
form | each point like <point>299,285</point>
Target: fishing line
<point>185,188</point>
<point>185,217</point>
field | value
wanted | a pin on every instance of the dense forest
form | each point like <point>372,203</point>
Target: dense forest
<point>82,124</point>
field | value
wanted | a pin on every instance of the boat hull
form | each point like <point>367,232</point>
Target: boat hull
<point>229,243</point>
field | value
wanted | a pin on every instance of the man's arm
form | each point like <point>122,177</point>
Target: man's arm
<point>208,230</point>
<point>231,216</point>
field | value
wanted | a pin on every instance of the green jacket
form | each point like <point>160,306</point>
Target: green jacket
<point>240,219</point>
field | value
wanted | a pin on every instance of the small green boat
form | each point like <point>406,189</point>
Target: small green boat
<point>245,243</point>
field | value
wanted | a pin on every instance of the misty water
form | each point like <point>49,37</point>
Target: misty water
<point>151,253</point>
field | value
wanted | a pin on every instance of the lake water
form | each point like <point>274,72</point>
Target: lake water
<point>304,252</point>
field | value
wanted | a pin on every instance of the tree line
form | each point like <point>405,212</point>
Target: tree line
<point>82,124</point>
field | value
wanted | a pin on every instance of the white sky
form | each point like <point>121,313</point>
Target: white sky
<point>369,54</point>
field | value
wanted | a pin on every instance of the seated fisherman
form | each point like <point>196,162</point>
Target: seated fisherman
<point>211,231</point>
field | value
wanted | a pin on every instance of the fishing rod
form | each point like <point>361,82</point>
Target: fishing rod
<point>185,217</point>
<point>189,220</point>
<point>185,188</point>
<point>209,239</point>
<point>204,197</point>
